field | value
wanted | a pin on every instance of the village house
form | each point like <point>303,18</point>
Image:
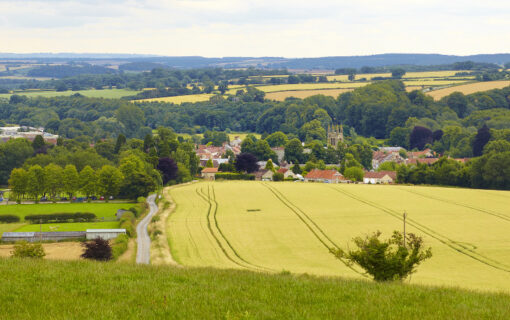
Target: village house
<point>209,173</point>
<point>381,177</point>
<point>427,153</point>
<point>326,176</point>
<point>287,173</point>
<point>264,175</point>
<point>388,154</point>
<point>29,133</point>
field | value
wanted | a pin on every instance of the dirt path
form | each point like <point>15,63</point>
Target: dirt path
<point>160,249</point>
<point>54,251</point>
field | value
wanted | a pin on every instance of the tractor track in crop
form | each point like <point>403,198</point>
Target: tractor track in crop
<point>311,224</point>
<point>492,213</point>
<point>210,198</point>
<point>455,245</point>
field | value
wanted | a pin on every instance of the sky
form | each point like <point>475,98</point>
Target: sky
<point>283,28</point>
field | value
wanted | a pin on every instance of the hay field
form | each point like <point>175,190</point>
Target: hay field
<point>433,82</point>
<point>310,86</point>
<point>180,99</point>
<point>282,95</point>
<point>54,251</point>
<point>290,226</point>
<point>469,88</point>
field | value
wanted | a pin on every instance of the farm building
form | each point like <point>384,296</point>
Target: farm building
<point>326,176</point>
<point>42,236</point>
<point>209,173</point>
<point>105,234</point>
<point>381,177</point>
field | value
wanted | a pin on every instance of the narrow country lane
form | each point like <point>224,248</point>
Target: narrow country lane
<point>143,253</point>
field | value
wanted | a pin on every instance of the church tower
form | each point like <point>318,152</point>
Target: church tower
<point>335,135</point>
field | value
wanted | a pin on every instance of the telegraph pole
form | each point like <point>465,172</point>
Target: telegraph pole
<point>405,216</point>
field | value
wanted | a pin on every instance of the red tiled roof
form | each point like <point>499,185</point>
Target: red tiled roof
<point>283,170</point>
<point>324,175</point>
<point>381,174</point>
<point>210,170</point>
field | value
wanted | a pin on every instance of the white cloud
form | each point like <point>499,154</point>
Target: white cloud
<point>254,28</point>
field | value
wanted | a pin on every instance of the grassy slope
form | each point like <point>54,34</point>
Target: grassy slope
<point>8,227</point>
<point>88,290</point>
<point>99,209</point>
<point>454,222</point>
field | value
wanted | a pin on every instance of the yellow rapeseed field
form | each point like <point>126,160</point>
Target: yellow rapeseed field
<point>267,226</point>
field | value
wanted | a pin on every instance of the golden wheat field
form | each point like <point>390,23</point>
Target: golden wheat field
<point>282,95</point>
<point>270,226</point>
<point>468,88</point>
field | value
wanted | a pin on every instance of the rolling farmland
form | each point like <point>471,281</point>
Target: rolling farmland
<point>468,88</point>
<point>291,226</point>
<point>282,95</point>
<point>106,93</point>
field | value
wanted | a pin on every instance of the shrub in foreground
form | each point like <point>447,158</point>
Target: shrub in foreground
<point>97,249</point>
<point>392,259</point>
<point>25,249</point>
<point>120,245</point>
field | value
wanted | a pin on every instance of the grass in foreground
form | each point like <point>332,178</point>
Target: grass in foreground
<point>106,210</point>
<point>91,290</point>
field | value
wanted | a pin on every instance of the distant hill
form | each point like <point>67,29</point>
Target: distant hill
<point>328,63</point>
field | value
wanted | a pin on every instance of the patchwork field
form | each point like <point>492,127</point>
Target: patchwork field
<point>106,93</point>
<point>291,226</point>
<point>468,88</point>
<point>282,95</point>
<point>181,99</point>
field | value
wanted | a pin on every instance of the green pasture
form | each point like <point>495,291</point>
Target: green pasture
<point>269,227</point>
<point>9,227</point>
<point>72,226</point>
<point>102,209</point>
<point>106,93</point>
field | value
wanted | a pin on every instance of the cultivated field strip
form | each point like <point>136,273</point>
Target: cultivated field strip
<point>492,213</point>
<point>455,245</point>
<point>219,236</point>
<point>311,225</point>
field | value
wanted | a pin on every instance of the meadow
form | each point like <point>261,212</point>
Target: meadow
<point>272,227</point>
<point>94,290</point>
<point>106,93</point>
<point>101,209</point>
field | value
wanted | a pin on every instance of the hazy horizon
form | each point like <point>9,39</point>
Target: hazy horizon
<point>226,28</point>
